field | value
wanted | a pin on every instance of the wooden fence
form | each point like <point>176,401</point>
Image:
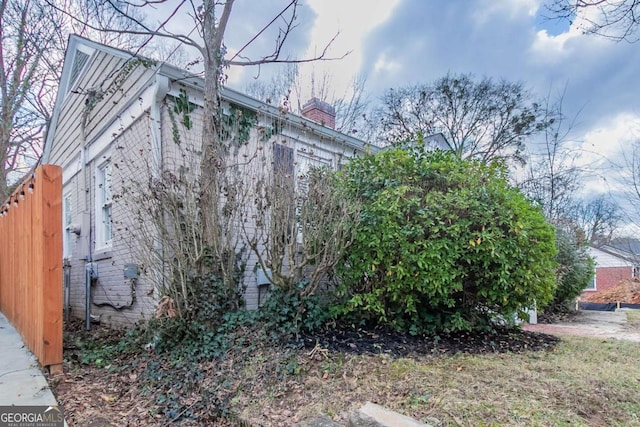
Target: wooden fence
<point>31,263</point>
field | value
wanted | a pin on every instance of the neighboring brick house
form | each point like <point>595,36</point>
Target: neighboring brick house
<point>611,268</point>
<point>115,118</point>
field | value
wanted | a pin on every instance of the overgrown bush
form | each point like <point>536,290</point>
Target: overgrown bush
<point>200,330</point>
<point>575,269</point>
<point>291,311</point>
<point>443,244</point>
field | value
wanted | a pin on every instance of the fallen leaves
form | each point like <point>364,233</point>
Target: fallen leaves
<point>627,291</point>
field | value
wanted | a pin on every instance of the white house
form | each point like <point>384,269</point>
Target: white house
<point>115,122</point>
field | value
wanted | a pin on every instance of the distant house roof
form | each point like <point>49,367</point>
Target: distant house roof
<point>437,141</point>
<point>606,258</point>
<point>627,245</point>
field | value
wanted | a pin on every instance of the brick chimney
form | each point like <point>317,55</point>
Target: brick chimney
<point>320,112</point>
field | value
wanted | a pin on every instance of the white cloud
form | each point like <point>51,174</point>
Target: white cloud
<point>605,152</point>
<point>612,137</point>
<point>353,21</point>
<point>385,65</point>
<point>549,48</point>
<point>514,9</point>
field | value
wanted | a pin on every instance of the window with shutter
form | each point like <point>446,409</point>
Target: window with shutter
<point>305,163</point>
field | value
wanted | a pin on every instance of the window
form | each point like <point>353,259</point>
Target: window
<point>592,285</point>
<point>103,205</point>
<point>79,61</point>
<point>305,162</point>
<point>66,226</point>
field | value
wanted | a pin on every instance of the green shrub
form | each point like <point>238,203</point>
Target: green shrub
<point>291,311</point>
<point>443,244</point>
<point>200,331</point>
<point>575,269</point>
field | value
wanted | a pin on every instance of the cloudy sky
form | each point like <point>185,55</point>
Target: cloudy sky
<point>394,43</point>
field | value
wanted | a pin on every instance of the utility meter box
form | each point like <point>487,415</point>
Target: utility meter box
<point>131,271</point>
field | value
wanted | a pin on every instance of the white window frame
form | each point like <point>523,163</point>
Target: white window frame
<point>104,205</point>
<point>592,286</point>
<point>67,221</point>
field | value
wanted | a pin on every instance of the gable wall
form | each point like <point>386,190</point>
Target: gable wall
<point>98,77</point>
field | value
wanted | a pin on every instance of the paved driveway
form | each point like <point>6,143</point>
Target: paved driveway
<point>590,323</point>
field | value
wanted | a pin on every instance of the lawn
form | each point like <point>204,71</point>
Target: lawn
<point>633,319</point>
<point>580,382</point>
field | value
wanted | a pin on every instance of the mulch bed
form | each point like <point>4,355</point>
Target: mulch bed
<point>114,396</point>
<point>384,341</point>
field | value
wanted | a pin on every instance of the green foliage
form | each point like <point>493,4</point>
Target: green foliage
<point>575,268</point>
<point>235,125</point>
<point>443,244</point>
<point>183,107</point>
<point>200,332</point>
<point>291,311</point>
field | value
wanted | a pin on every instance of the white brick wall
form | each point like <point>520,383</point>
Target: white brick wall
<point>122,302</point>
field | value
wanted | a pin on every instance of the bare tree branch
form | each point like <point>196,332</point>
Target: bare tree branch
<point>612,19</point>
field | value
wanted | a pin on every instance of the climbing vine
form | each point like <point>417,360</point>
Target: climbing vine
<point>182,106</point>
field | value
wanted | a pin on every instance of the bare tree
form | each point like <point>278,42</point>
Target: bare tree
<point>290,89</point>
<point>211,18</point>
<point>552,175</point>
<point>33,37</point>
<point>599,218</point>
<point>483,118</point>
<point>24,30</point>
<point>614,19</point>
<point>630,181</point>
<point>277,90</point>
<point>352,106</point>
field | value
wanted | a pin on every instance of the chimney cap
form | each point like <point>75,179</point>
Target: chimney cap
<point>319,104</point>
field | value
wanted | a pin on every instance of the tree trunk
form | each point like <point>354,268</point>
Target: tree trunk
<point>212,161</point>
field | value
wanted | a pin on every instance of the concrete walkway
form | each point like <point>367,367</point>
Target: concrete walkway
<point>21,381</point>
<point>594,324</point>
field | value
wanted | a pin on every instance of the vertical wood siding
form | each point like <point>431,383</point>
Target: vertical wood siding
<point>31,263</point>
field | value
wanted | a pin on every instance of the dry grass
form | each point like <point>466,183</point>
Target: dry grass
<point>633,319</point>
<point>583,382</point>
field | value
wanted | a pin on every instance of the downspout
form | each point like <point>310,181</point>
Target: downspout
<point>155,115</point>
<point>86,223</point>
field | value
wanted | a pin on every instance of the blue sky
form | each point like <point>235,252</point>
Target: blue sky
<point>394,43</point>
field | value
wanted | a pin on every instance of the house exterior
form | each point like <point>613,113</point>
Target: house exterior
<point>611,268</point>
<point>120,120</point>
